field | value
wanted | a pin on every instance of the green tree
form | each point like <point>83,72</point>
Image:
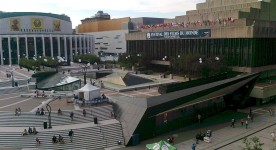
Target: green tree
<point>252,144</point>
<point>87,58</point>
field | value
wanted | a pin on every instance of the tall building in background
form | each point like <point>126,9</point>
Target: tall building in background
<point>37,34</point>
<point>242,31</point>
<point>110,33</point>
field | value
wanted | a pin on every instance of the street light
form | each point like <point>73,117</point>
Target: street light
<point>49,109</point>
<point>84,67</point>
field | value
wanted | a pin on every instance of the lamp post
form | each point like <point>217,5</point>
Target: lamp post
<point>84,67</point>
<point>48,107</point>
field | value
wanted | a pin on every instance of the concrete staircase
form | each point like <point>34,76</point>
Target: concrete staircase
<point>87,135</point>
<point>98,137</point>
<point>29,119</point>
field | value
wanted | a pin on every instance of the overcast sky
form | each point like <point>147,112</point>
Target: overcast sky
<point>80,9</point>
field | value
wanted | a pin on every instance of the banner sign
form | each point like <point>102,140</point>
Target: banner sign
<point>15,24</point>
<point>56,25</point>
<point>201,33</point>
<point>37,23</point>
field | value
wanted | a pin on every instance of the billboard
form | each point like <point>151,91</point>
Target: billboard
<point>201,33</point>
<point>37,23</point>
<point>15,24</point>
<point>56,25</point>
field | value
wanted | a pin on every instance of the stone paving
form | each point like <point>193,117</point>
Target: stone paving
<point>231,138</point>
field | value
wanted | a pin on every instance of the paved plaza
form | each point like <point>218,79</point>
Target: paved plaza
<point>224,137</point>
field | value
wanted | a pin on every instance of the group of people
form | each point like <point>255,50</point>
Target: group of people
<point>60,139</point>
<point>40,111</point>
<point>17,111</point>
<point>243,121</point>
<point>30,131</point>
<point>40,94</point>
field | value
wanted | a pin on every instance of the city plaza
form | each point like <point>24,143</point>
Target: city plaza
<point>140,112</point>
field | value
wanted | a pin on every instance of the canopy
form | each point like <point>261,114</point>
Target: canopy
<point>161,145</point>
<point>89,92</point>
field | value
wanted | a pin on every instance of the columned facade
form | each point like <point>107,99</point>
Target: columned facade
<point>14,47</point>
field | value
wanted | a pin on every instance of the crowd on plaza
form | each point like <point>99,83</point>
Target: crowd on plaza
<point>188,24</point>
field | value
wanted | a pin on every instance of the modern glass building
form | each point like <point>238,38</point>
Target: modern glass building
<point>35,34</point>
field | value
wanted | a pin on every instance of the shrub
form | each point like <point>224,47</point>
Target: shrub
<point>43,75</point>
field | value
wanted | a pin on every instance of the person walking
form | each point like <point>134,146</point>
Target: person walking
<point>242,121</point>
<point>248,117</point>
<point>71,133</point>
<point>194,146</point>
<point>37,142</point>
<point>199,118</point>
<point>246,124</point>
<point>84,112</point>
<point>72,116</point>
<point>233,123</point>
<point>273,136</point>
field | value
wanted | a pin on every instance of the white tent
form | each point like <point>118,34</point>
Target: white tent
<point>89,92</point>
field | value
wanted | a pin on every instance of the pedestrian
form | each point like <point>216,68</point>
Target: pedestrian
<point>37,112</point>
<point>194,146</point>
<point>242,121</point>
<point>251,118</point>
<point>199,118</point>
<point>34,130</point>
<point>250,112</point>
<point>233,123</point>
<point>248,117</point>
<point>16,112</point>
<point>19,111</point>
<point>72,116</point>
<point>246,124</point>
<point>111,114</point>
<point>71,133</point>
<point>84,112</point>
<point>30,130</point>
<point>37,142</point>
<point>273,136</point>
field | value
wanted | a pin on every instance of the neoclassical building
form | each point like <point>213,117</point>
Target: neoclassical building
<point>35,34</point>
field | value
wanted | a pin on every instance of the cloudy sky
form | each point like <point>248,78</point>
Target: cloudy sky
<point>80,9</point>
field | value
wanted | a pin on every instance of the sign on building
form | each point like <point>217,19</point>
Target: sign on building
<point>202,33</point>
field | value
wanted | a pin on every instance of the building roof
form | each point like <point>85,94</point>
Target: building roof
<point>19,14</point>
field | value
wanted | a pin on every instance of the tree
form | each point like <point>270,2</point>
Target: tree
<point>252,144</point>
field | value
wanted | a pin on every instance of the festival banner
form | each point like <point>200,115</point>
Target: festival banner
<point>37,23</point>
<point>56,25</point>
<point>201,33</point>
<point>15,24</point>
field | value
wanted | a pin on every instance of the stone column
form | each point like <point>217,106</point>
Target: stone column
<point>35,46</point>
<point>80,45</point>
<point>84,44</point>
<point>1,51</point>
<point>51,43</point>
<point>17,47</point>
<point>26,46</point>
<point>58,39</point>
<point>76,45</point>
<point>9,45</point>
<point>65,47</point>
<point>71,49</point>
<point>43,45</point>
